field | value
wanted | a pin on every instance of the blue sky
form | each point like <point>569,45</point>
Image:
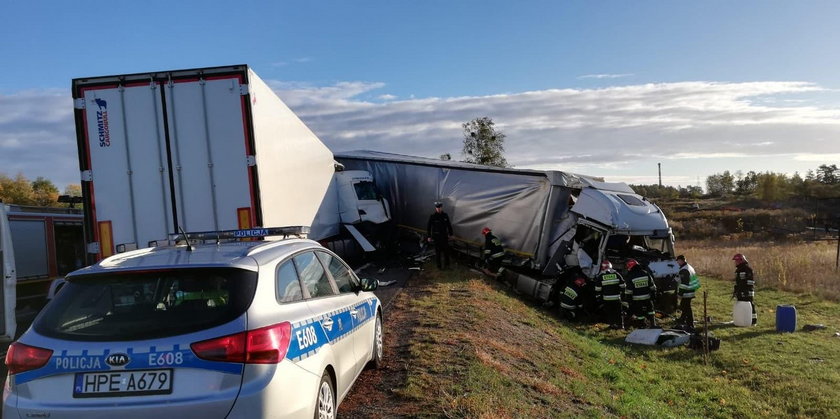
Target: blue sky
<point>605,88</point>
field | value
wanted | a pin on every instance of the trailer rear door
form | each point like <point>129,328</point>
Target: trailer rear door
<point>174,137</point>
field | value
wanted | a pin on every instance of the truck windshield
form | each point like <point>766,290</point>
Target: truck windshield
<point>365,191</point>
<point>640,247</point>
<point>147,305</point>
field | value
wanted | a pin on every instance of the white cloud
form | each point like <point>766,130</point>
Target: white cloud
<point>301,60</point>
<point>37,136</point>
<point>616,132</point>
<point>822,158</point>
<point>605,76</point>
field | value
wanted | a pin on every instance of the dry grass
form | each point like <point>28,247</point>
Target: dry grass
<point>801,267</point>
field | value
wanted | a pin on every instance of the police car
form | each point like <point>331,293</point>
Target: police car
<point>238,330</point>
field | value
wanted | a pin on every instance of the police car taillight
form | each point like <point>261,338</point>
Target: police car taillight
<point>267,345</point>
<point>22,357</point>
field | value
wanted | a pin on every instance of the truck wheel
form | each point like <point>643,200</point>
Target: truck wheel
<point>325,405</point>
<point>378,347</point>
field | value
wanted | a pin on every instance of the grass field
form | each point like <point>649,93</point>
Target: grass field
<point>478,350</point>
<point>801,267</point>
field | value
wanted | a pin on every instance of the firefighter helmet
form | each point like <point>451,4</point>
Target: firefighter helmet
<point>630,264</point>
<point>485,230</point>
<point>739,258</point>
<point>605,265</point>
<point>580,281</point>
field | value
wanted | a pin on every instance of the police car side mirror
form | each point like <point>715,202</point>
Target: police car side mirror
<point>369,284</point>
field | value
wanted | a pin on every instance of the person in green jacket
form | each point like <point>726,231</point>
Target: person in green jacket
<point>689,283</point>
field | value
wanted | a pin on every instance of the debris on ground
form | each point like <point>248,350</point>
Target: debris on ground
<point>386,283</point>
<point>673,338</point>
<point>812,327</point>
<point>381,270</point>
<point>414,268</point>
<point>670,338</point>
<point>644,336</point>
<point>698,342</point>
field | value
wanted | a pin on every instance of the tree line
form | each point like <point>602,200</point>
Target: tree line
<point>39,192</point>
<point>824,182</point>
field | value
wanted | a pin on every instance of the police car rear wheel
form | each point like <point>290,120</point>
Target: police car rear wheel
<point>378,349</point>
<point>325,407</point>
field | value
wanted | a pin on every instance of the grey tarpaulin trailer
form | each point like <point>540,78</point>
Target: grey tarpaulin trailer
<point>541,216</point>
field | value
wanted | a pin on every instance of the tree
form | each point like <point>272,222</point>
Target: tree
<point>720,184</point>
<point>483,144</point>
<point>16,191</point>
<point>73,189</point>
<point>771,186</point>
<point>746,185</point>
<point>691,192</point>
<point>44,193</point>
<point>827,174</point>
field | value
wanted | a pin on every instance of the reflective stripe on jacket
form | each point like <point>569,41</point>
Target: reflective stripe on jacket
<point>569,300</point>
<point>689,282</point>
<point>640,285</point>
<point>493,247</point>
<point>610,285</point>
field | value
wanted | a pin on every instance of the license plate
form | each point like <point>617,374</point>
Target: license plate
<point>122,383</point>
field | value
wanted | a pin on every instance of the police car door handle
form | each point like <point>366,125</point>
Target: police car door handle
<point>328,324</point>
<point>354,312</point>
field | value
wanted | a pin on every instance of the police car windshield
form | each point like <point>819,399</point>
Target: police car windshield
<point>147,305</point>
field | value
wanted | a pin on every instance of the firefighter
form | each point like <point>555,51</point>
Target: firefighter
<point>639,291</point>
<point>570,300</point>
<point>493,253</point>
<point>689,283</point>
<point>439,232</point>
<point>609,285</point>
<point>744,283</point>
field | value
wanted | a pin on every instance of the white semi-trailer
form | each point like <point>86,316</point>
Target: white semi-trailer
<point>205,149</point>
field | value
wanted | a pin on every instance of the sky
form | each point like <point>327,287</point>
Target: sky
<point>603,88</point>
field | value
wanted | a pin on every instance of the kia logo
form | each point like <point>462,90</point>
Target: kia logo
<point>117,360</point>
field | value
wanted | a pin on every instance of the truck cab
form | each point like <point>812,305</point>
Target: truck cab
<point>610,221</point>
<point>360,201</point>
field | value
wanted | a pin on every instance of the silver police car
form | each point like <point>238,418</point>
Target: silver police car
<point>238,330</point>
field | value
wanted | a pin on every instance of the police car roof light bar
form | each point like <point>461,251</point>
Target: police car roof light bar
<point>244,234</point>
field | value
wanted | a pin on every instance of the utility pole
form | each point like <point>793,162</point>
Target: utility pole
<point>660,174</point>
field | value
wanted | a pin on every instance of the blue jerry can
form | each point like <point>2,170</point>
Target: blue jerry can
<point>785,318</point>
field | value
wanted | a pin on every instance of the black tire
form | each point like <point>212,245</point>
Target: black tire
<point>325,398</point>
<point>378,343</point>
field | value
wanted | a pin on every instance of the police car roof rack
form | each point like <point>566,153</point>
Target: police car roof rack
<point>250,233</point>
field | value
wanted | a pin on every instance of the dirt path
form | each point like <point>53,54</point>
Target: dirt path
<point>374,395</point>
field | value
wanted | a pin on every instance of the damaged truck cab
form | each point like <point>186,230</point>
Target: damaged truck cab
<point>610,221</point>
